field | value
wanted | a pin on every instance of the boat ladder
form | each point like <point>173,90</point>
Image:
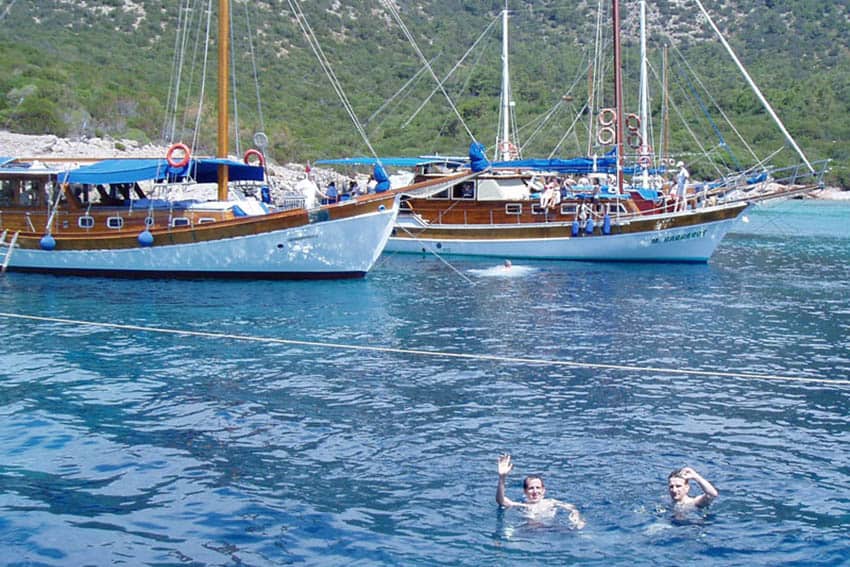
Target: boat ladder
<point>7,256</point>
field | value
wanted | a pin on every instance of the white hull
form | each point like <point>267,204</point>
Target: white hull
<point>346,247</point>
<point>694,243</point>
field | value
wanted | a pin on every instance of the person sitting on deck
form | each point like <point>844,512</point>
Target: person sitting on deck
<point>331,193</point>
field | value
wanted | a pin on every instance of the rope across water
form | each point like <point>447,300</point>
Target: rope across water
<point>437,354</point>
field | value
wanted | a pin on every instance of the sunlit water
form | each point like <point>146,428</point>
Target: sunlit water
<point>135,447</point>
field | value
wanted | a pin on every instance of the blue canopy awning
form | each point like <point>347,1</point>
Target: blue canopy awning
<point>574,165</point>
<point>204,170</point>
<point>393,161</point>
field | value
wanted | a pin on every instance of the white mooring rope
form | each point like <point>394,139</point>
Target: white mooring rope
<point>439,354</point>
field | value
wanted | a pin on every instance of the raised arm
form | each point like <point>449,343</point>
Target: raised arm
<point>709,492</point>
<point>505,467</point>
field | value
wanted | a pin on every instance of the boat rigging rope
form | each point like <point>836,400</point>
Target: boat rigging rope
<point>437,354</point>
<point>197,129</point>
<point>427,67</point>
<point>388,4</point>
<point>254,67</point>
<point>429,248</point>
<point>717,106</point>
<point>313,41</point>
<point>6,11</point>
<point>403,88</point>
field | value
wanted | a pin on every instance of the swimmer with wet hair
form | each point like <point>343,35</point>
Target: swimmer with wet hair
<point>536,505</point>
<point>678,485</point>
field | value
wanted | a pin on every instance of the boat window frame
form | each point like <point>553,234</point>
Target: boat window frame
<point>206,220</point>
<point>443,195</point>
<point>464,191</point>
<point>85,222</point>
<point>112,221</point>
<point>180,222</point>
<point>513,209</point>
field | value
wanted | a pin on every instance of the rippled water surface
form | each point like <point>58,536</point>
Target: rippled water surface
<point>265,439</point>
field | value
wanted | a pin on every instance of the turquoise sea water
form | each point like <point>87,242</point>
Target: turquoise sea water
<point>128,445</point>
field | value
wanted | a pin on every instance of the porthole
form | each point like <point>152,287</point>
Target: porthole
<point>114,223</point>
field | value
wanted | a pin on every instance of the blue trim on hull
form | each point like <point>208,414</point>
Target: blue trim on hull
<point>199,275</point>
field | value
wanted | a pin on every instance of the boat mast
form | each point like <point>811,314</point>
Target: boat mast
<point>504,149</point>
<point>644,95</point>
<point>618,94</point>
<point>665,109</point>
<point>223,78</point>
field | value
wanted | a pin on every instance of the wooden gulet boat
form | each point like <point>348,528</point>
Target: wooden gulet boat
<point>48,228</point>
<point>97,219</point>
<point>498,214</point>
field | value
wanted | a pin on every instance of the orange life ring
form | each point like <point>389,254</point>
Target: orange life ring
<point>254,153</point>
<point>182,162</point>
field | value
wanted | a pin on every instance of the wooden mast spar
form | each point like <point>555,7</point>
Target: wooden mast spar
<point>618,94</point>
<point>223,78</point>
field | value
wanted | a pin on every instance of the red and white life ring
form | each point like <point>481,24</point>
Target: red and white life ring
<point>606,136</point>
<point>181,162</point>
<point>632,121</point>
<point>607,117</point>
<point>261,160</point>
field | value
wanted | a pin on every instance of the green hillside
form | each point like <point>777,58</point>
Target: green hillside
<point>105,67</point>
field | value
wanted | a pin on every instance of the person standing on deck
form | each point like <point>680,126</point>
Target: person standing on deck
<point>682,178</point>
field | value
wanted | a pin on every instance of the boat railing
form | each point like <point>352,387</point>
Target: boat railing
<point>800,174</point>
<point>797,174</point>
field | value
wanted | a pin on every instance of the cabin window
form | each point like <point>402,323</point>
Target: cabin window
<point>513,208</point>
<point>177,222</point>
<point>206,220</point>
<point>28,195</point>
<point>114,222</point>
<point>85,221</point>
<point>444,194</point>
<point>536,209</point>
<point>149,221</point>
<point>568,208</point>
<point>7,193</point>
<point>463,191</point>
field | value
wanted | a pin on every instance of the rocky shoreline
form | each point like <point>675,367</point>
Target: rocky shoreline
<point>286,176</point>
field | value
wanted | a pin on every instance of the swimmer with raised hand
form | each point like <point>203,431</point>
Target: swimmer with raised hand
<point>536,505</point>
<point>678,485</point>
